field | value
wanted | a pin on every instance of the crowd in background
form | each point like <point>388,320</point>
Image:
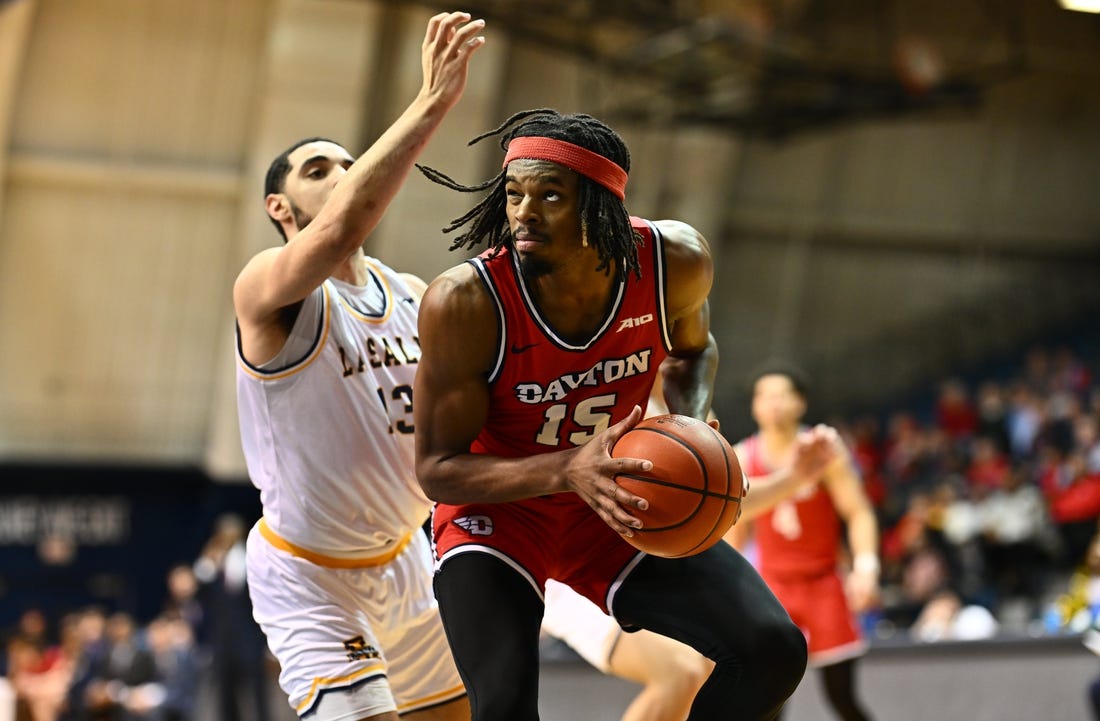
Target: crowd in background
<point>988,499</point>
<point>104,665</point>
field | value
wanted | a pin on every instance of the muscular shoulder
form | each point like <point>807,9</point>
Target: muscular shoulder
<point>456,292</point>
<point>458,316</point>
<point>683,239</point>
<point>688,263</point>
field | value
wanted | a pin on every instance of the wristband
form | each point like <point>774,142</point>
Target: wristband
<point>866,563</point>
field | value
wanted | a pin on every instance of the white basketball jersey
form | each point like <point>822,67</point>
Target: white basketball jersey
<point>327,425</point>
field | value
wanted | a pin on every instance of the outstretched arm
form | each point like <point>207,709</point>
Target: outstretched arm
<point>278,278</point>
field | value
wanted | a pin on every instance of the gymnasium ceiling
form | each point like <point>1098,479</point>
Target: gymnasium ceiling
<point>775,68</point>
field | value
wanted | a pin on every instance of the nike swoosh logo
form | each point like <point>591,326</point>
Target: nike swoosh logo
<point>409,300</point>
<point>522,348</point>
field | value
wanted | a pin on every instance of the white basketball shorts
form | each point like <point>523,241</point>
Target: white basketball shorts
<point>352,642</point>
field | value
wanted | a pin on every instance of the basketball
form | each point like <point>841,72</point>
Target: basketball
<point>694,488</point>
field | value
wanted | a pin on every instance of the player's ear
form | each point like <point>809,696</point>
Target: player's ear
<point>277,207</point>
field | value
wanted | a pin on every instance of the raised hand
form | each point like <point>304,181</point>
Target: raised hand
<point>813,451</point>
<point>450,40</point>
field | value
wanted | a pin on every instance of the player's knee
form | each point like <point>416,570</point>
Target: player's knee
<point>685,673</point>
<point>782,651</point>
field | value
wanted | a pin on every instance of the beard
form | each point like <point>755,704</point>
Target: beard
<point>534,268</point>
<point>301,218</point>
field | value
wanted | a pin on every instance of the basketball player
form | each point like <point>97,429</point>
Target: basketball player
<point>339,572</point>
<point>537,356</point>
<point>798,539</point>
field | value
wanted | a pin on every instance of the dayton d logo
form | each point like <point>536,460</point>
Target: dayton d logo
<point>475,525</point>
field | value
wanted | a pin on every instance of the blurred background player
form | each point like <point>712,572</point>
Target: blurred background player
<point>338,570</point>
<point>799,539</point>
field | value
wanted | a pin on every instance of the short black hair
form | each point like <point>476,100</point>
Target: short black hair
<point>275,180</point>
<point>800,381</point>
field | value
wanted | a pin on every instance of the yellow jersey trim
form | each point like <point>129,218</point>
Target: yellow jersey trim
<point>314,354</point>
<point>455,692</point>
<point>331,561</point>
<point>319,684</point>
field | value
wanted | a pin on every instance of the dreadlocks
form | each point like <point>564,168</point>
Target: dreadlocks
<point>604,218</point>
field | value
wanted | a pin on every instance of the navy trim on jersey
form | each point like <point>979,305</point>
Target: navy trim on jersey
<point>352,304</point>
<point>486,278</point>
<point>661,280</point>
<point>309,352</point>
<point>548,330</point>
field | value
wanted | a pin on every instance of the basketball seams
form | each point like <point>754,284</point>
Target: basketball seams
<point>670,484</point>
<point>700,444</point>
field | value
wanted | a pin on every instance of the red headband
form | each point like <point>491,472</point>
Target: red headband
<point>591,165</point>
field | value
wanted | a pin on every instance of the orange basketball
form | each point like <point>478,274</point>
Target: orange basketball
<point>694,488</point>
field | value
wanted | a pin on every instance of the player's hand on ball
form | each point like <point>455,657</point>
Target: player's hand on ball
<point>591,471</point>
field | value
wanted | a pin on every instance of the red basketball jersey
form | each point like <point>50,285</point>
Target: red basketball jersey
<point>549,394</point>
<point>799,536</point>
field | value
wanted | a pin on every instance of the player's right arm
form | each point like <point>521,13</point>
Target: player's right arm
<point>278,278</point>
<point>458,340</point>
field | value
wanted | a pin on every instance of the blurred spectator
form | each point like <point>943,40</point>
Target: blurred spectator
<point>115,690</point>
<point>1069,374</point>
<point>988,467</point>
<point>925,575</point>
<point>1017,537</point>
<point>862,438</point>
<point>1036,370</point>
<point>237,645</point>
<point>963,520</point>
<point>173,697</point>
<point>906,536</point>
<point>955,414</point>
<point>39,677</point>
<point>1086,436</point>
<point>90,654</point>
<point>183,601</point>
<point>1024,419</point>
<point>1062,411</point>
<point>946,618</point>
<point>1073,495</point>
<point>993,415</point>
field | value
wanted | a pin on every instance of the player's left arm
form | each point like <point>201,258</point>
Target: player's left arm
<point>854,507</point>
<point>688,373</point>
